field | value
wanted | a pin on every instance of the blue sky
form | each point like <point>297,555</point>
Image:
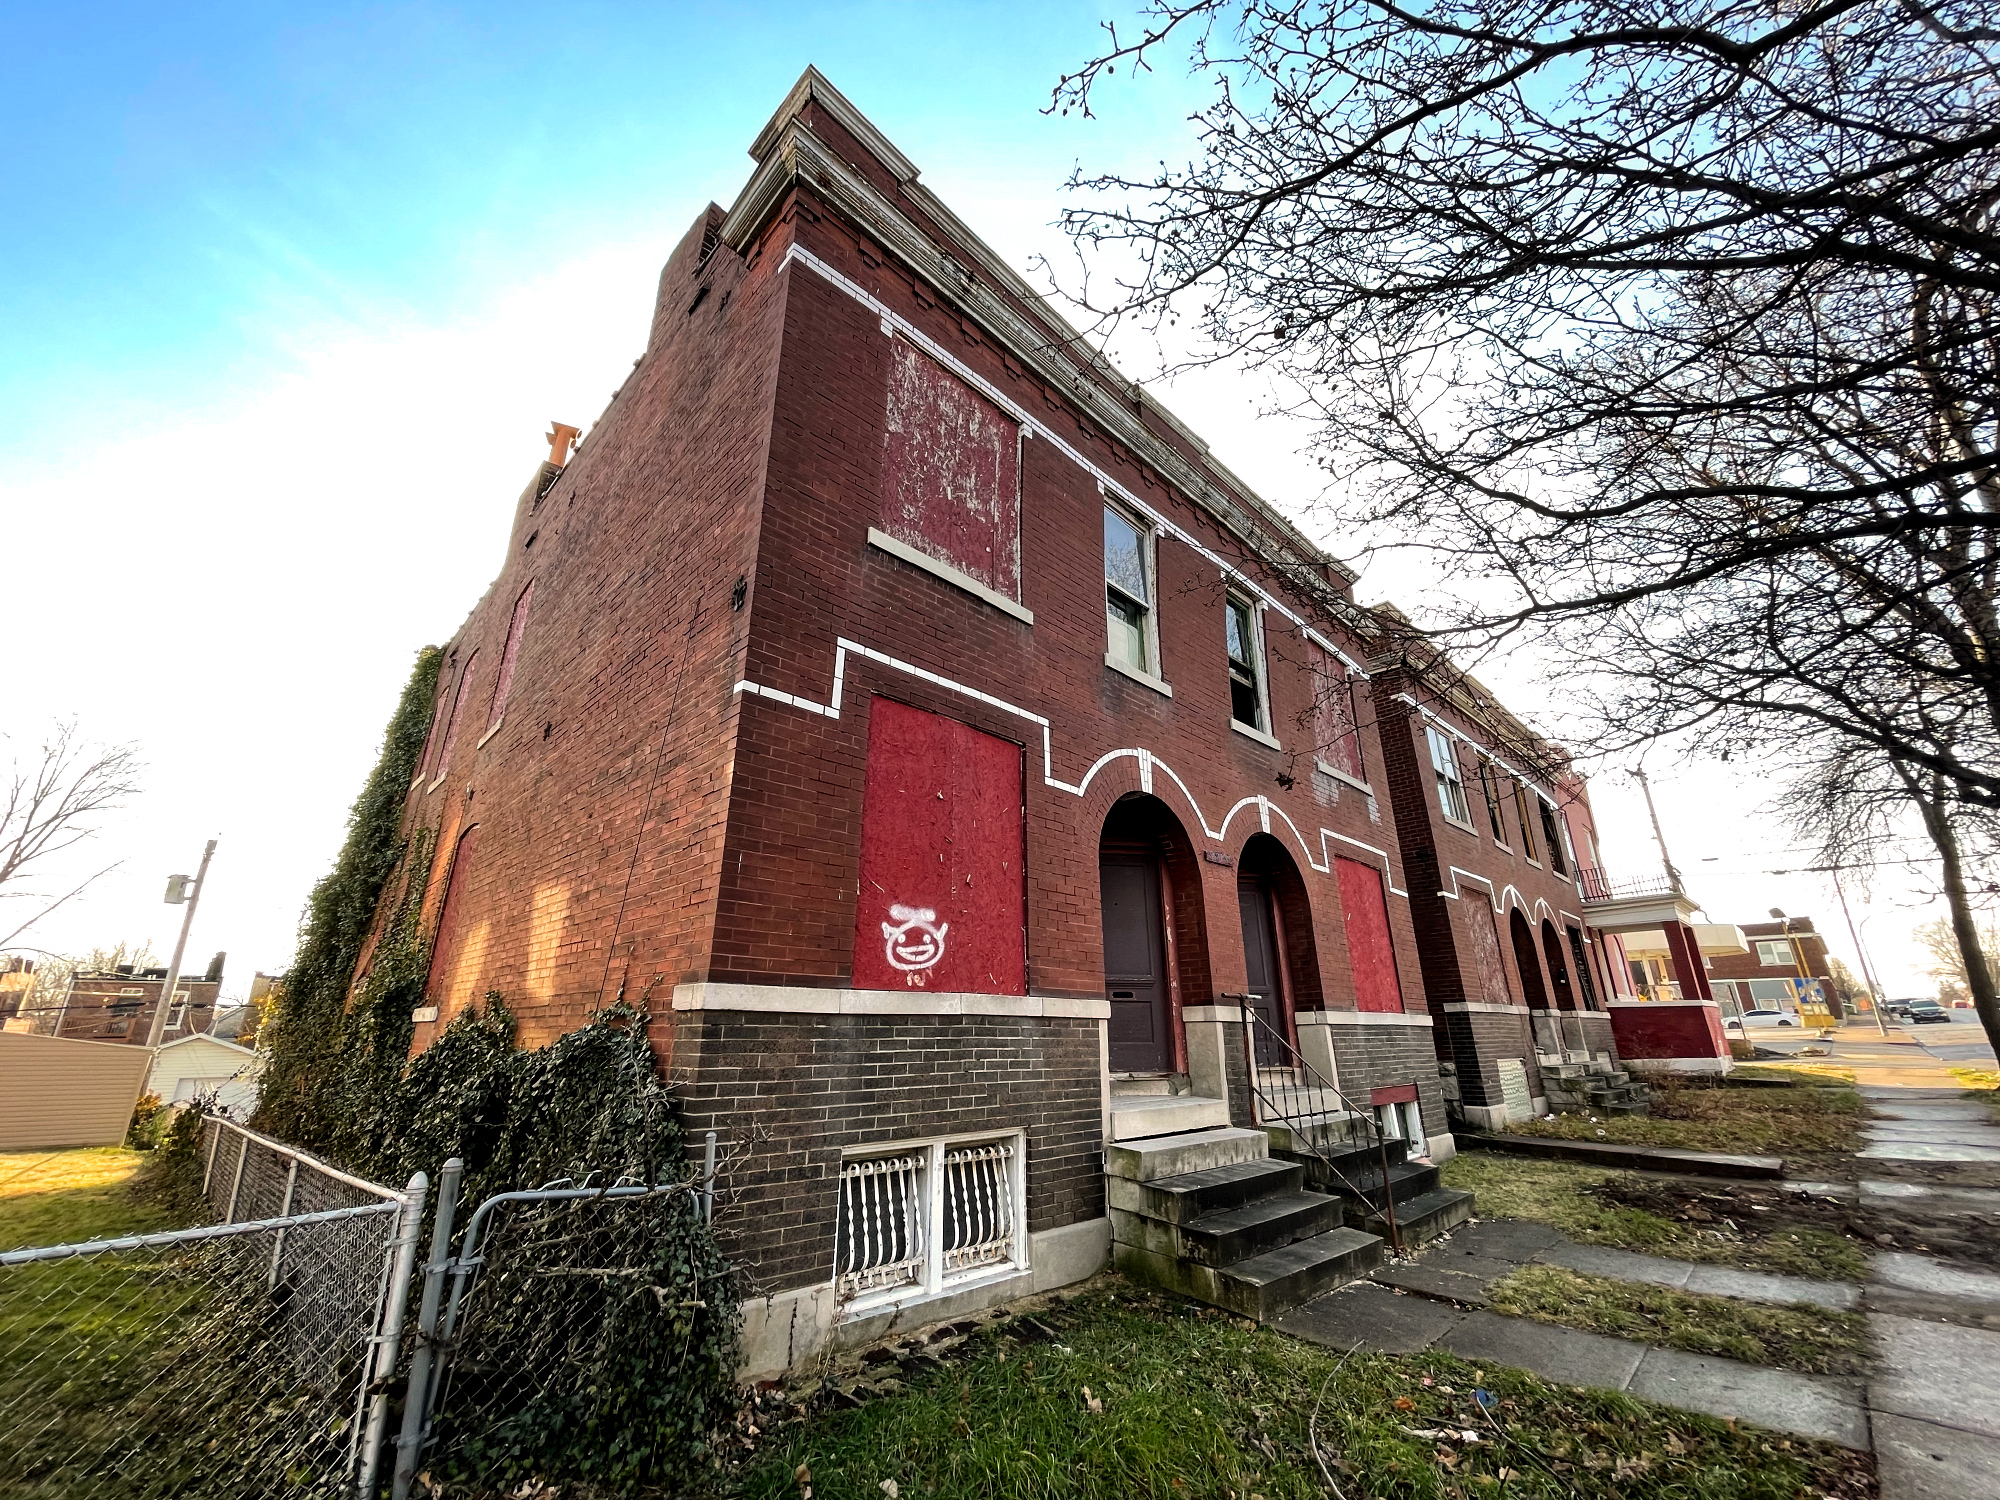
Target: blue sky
<point>291,293</point>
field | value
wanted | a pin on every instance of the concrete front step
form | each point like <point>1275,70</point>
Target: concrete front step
<point>1418,1219</point>
<point>1183,1199</point>
<point>1165,1083</point>
<point>1323,1132</point>
<point>1192,1151</point>
<point>1232,1234</point>
<point>1265,1285</point>
<point>1137,1116</point>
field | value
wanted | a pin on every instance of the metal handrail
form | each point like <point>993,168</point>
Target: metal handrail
<point>1317,1084</point>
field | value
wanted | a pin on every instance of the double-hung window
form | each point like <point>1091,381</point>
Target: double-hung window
<point>1553,833</point>
<point>1521,798</point>
<point>1770,954</point>
<point>1246,666</point>
<point>1451,788</point>
<point>1128,595</point>
<point>1489,785</point>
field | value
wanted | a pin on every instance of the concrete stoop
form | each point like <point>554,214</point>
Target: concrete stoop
<point>1594,1087</point>
<point>1215,1215</point>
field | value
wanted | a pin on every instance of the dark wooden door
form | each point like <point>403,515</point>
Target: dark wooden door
<point>1135,963</point>
<point>1260,956</point>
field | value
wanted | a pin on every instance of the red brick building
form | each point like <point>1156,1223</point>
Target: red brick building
<point>118,1005</point>
<point>980,786</point>
<point>1785,964</point>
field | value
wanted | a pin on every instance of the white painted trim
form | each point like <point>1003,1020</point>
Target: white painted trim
<point>1252,732</point>
<point>497,725</point>
<point>816,1000</point>
<point>1463,827</point>
<point>883,542</point>
<point>1339,775</point>
<point>424,1013</point>
<point>1432,717</point>
<point>1144,679</point>
<point>1359,1018</point>
<point>1149,763</point>
<point>1488,1007</point>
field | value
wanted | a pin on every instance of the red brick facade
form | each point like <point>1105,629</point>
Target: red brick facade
<point>673,806</point>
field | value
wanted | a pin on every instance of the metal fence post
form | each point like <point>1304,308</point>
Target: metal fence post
<point>417,1400</point>
<point>708,1179</point>
<point>389,1342</point>
<point>236,1183</point>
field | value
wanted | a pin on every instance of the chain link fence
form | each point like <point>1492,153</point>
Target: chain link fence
<point>247,1357</point>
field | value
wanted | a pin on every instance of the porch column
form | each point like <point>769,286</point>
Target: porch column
<point>1684,958</point>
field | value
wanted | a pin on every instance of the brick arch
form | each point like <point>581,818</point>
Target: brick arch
<point>1141,817</point>
<point>1264,856</point>
<point>1527,960</point>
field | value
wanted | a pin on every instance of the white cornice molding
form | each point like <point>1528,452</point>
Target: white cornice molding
<point>1058,353</point>
<point>815,1000</point>
<point>813,87</point>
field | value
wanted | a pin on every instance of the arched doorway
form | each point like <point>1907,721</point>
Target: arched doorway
<point>1527,961</point>
<point>1154,951</point>
<point>1279,954</point>
<point>1558,968</point>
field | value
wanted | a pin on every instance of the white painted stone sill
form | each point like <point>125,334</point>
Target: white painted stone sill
<point>883,542</point>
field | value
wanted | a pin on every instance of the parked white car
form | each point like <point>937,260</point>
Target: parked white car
<point>1751,1018</point>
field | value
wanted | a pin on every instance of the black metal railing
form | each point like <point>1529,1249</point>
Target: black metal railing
<point>1303,1105</point>
<point>1597,885</point>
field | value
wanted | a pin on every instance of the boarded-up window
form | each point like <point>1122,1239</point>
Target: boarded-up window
<point>504,683</point>
<point>941,902</point>
<point>460,696</point>
<point>1339,732</point>
<point>951,473</point>
<point>1486,976</point>
<point>451,921</point>
<point>1366,918</point>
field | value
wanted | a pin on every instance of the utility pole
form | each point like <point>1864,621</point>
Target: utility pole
<point>178,889</point>
<point>1658,837</point>
<point>1861,953</point>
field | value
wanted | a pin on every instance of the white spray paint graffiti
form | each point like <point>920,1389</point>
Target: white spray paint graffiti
<point>914,940</point>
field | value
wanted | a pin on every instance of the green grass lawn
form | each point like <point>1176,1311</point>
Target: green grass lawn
<point>1140,1395</point>
<point>1800,1337</point>
<point>1561,1195</point>
<point>1982,1084</point>
<point>1695,1115</point>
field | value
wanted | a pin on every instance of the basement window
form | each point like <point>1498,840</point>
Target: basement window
<point>921,1218</point>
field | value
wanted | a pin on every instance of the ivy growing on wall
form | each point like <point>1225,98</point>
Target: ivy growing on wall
<point>610,1369</point>
<point>313,1072</point>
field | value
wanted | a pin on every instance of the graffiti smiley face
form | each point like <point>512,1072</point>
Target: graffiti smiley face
<point>913,938</point>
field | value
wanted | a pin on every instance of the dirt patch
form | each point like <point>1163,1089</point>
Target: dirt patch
<point>1767,1209</point>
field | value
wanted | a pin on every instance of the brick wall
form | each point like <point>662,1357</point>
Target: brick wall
<point>795,1090</point>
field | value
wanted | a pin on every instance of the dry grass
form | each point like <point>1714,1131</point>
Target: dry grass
<point>1699,1115</point>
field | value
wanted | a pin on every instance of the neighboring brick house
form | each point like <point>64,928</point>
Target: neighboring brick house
<point>1496,830</point>
<point>117,1005</point>
<point>967,771</point>
<point>1785,959</point>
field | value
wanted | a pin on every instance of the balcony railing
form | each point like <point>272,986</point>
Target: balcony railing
<point>1599,886</point>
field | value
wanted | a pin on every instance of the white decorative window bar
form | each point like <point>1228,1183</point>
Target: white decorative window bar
<point>917,1217</point>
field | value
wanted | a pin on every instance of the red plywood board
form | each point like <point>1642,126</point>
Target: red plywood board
<point>1487,981</point>
<point>1366,918</point>
<point>942,900</point>
<point>951,472</point>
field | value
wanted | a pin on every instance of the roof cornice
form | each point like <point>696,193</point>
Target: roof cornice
<point>789,153</point>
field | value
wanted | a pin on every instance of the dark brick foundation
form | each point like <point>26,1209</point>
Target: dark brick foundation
<point>798,1089</point>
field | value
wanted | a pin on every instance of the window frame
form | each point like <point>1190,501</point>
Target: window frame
<point>1490,776</point>
<point>503,681</point>
<point>937,1279</point>
<point>1152,673</point>
<point>1258,666</point>
<point>468,676</point>
<point>1528,848</point>
<point>1789,961</point>
<point>1552,833</point>
<point>1444,754</point>
<point>1343,679</point>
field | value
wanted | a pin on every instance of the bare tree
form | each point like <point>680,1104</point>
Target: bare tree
<point>53,801</point>
<point>1670,333</point>
<point>1940,941</point>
